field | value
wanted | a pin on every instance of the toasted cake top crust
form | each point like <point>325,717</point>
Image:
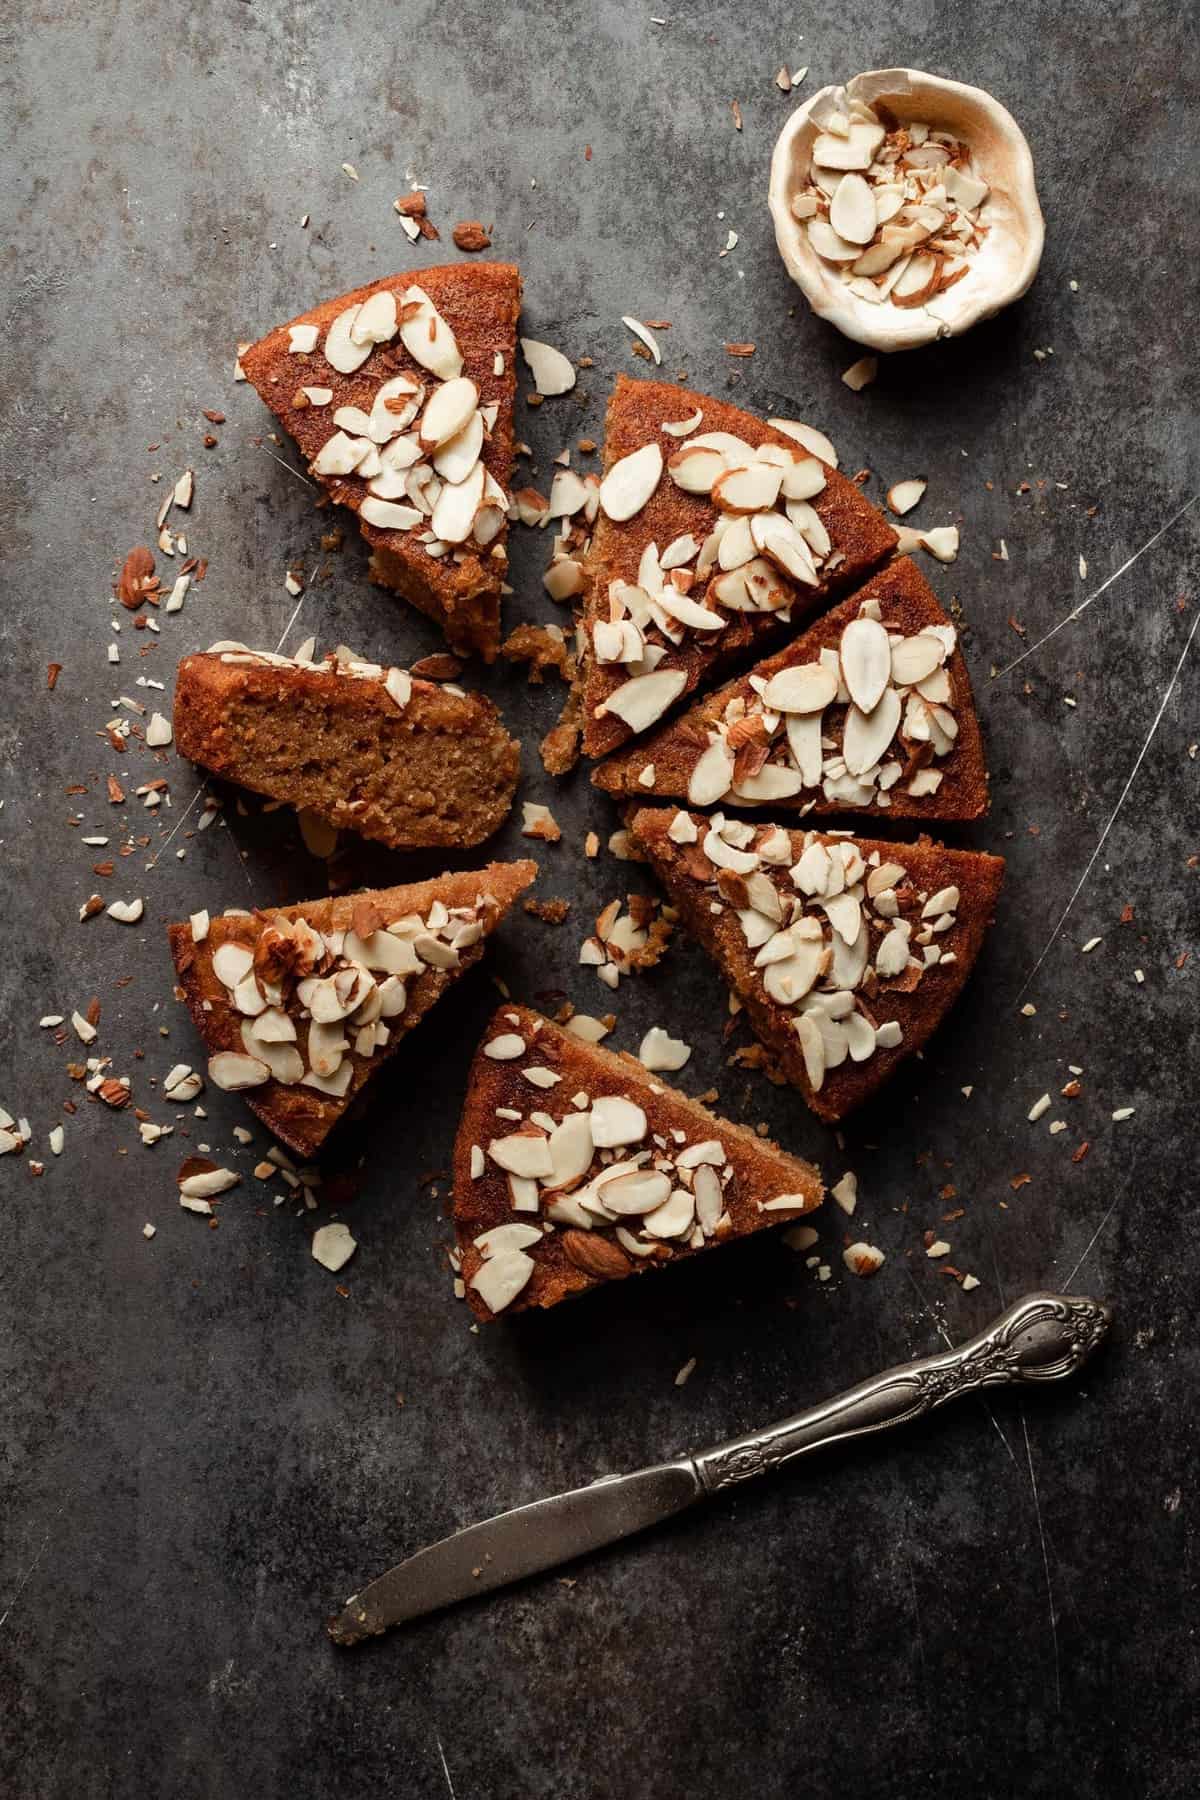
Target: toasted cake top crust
<point>400,396</point>
<point>551,1125</point>
<point>846,951</point>
<point>299,1005</point>
<point>736,748</point>
<point>790,572</point>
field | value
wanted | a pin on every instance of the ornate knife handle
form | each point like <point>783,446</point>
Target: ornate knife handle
<point>1041,1338</point>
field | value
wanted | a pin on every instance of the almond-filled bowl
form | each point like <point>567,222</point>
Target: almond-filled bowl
<point>905,207</point>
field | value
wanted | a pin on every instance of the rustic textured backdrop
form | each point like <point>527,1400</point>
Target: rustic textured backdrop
<point>203,1444</point>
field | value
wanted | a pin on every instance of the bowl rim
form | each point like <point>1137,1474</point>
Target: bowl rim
<point>874,326</point>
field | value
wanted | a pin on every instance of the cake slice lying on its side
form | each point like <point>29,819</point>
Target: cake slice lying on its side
<point>715,533</point>
<point>400,396</point>
<point>869,710</point>
<point>846,952</point>
<point>368,749</point>
<point>573,1167</point>
<point>298,1006</point>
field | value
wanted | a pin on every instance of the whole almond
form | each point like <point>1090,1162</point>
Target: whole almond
<point>596,1255</point>
<point>136,578</point>
<point>470,234</point>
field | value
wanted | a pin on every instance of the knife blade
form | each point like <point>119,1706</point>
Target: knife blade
<point>1040,1338</point>
<point>518,1543</point>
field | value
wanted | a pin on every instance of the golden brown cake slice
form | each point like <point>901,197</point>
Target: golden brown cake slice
<point>368,749</point>
<point>846,952</point>
<point>573,1167</point>
<point>869,710</point>
<point>715,533</point>
<point>400,396</point>
<point>298,1006</point>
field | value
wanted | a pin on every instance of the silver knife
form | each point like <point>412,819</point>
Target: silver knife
<point>1040,1338</point>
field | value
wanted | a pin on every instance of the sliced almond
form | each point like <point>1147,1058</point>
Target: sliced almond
<point>941,542</point>
<point>616,1121</point>
<point>387,515</point>
<point>747,490</point>
<point>828,245</point>
<point>804,688</point>
<point>660,1051</point>
<point>427,337</point>
<point>630,482</point>
<point>812,1048</point>
<point>814,441</point>
<point>449,409</point>
<point>523,1154</point>
<point>696,467</point>
<point>804,742</point>
<point>712,775</point>
<point>689,612</point>
<point>458,455</point>
<point>917,283</point>
<point>501,1278</point>
<point>394,407</point>
<point>773,782</point>
<point>902,496</point>
<point>375,320</point>
<point>339,455</point>
<point>457,504</point>
<point>803,480</point>
<point>648,338</point>
<point>681,428</point>
<point>865,652</point>
<point>231,1071</point>
<point>639,1192</point>
<point>571,1149</point>
<point>852,210</point>
<point>645,698</point>
<point>855,150</point>
<point>861,374</point>
<point>341,350</point>
<point>915,659</point>
<point>553,373</point>
<point>780,541</point>
<point>867,735</point>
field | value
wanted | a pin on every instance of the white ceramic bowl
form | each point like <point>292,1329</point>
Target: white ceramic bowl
<point>1001,270</point>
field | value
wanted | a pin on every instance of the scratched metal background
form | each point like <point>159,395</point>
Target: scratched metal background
<point>202,1448</point>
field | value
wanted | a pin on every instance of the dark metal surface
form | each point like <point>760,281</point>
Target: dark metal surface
<point>202,1438</point>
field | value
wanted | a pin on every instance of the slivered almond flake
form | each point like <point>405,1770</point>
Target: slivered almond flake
<point>640,331</point>
<point>660,1051</point>
<point>333,1246</point>
<point>863,1259</point>
<point>813,440</point>
<point>630,482</point>
<point>861,374</point>
<point>683,427</point>
<point>645,698</point>
<point>539,822</point>
<point>552,372</point>
<point>941,542</point>
<point>902,496</point>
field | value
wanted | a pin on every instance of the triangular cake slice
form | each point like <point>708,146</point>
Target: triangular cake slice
<point>378,751</point>
<point>574,1166</point>
<point>400,396</point>
<point>869,710</point>
<point>716,532</point>
<point>298,1006</point>
<point>846,952</point>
